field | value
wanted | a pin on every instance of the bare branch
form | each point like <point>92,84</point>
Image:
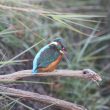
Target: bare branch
<point>86,74</point>
<point>40,98</point>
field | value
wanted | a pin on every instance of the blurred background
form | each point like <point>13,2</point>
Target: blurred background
<point>27,25</point>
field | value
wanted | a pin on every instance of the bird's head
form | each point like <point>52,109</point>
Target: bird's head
<point>59,43</point>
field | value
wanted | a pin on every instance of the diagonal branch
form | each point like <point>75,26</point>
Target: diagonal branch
<point>40,98</point>
<point>85,74</point>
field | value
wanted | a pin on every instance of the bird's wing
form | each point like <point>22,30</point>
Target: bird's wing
<point>44,57</point>
<point>47,57</point>
<point>37,57</point>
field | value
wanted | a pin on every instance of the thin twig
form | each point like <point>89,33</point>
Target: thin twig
<point>20,9</point>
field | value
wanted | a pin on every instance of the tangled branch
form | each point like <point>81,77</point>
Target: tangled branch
<point>86,74</point>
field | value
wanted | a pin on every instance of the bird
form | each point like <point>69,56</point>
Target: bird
<point>49,56</point>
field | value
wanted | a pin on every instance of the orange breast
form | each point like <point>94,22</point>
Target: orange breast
<point>52,66</point>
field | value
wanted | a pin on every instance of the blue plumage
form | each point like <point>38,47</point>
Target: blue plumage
<point>49,54</point>
<point>44,57</point>
<point>35,61</point>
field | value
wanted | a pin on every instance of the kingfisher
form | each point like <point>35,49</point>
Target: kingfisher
<point>48,57</point>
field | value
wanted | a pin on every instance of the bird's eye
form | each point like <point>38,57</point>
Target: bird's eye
<point>84,72</point>
<point>62,46</point>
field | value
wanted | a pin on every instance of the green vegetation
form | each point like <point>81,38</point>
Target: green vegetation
<point>27,25</point>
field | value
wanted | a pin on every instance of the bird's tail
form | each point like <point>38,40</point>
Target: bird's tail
<point>34,71</point>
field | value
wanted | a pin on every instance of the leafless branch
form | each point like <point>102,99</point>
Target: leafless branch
<point>40,98</point>
<point>86,74</point>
